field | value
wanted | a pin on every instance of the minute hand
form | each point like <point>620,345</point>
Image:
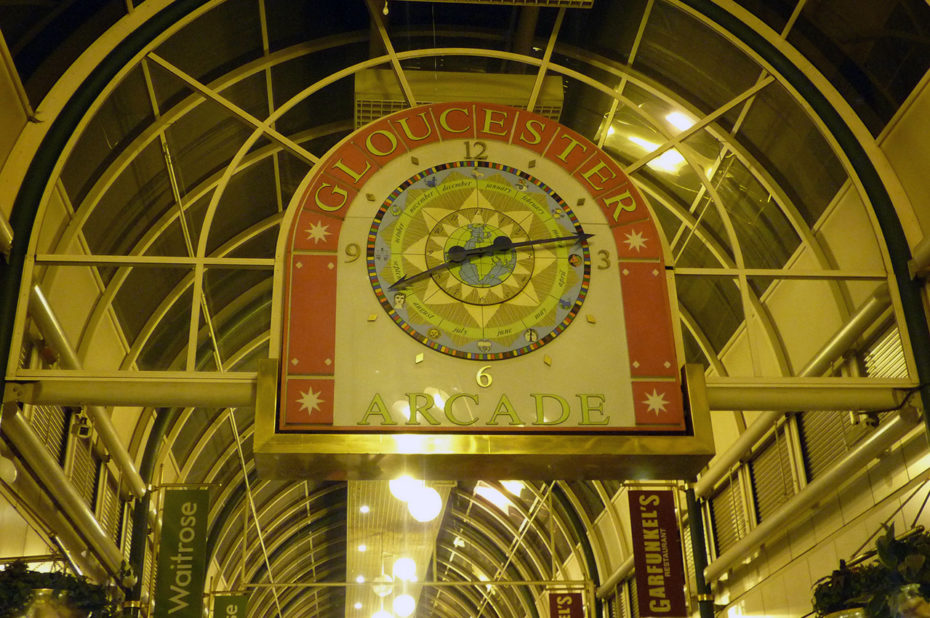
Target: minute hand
<point>580,236</point>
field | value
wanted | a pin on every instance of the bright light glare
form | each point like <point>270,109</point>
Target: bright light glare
<point>364,509</point>
<point>439,397</point>
<point>405,569</point>
<point>669,161</point>
<point>405,487</point>
<point>381,613</point>
<point>360,579</point>
<point>610,131</point>
<point>363,547</point>
<point>680,120</point>
<point>645,144</point>
<point>382,585</point>
<point>358,605</point>
<point>404,605</point>
<point>514,487</point>
<point>458,542</point>
<point>495,497</point>
<point>425,505</point>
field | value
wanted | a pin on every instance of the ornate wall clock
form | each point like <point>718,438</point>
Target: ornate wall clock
<point>472,277</point>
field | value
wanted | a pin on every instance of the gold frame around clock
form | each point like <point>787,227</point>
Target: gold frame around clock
<point>356,397</point>
<point>354,456</point>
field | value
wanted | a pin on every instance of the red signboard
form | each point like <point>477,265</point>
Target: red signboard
<point>566,605</point>
<point>660,573</point>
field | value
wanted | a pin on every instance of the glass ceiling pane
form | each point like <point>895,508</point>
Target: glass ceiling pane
<point>202,142</point>
<point>167,346</point>
<point>249,198</point>
<point>132,204</point>
<point>207,57</point>
<point>686,56</point>
<point>707,243</point>
<point>715,304</point>
<point>781,136</point>
<point>874,53</point>
<point>123,115</point>
<point>608,28</point>
<point>765,235</point>
<point>295,21</point>
<point>774,14</point>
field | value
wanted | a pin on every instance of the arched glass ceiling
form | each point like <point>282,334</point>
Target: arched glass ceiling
<point>168,201</point>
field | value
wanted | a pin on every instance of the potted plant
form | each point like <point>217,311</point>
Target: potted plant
<point>32,593</point>
<point>849,590</point>
<point>895,583</point>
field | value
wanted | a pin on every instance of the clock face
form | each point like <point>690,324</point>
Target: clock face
<point>478,260</point>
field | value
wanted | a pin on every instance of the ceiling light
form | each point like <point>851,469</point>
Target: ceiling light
<point>363,547</point>
<point>364,509</point>
<point>645,144</point>
<point>404,605</point>
<point>382,614</point>
<point>360,579</point>
<point>405,487</point>
<point>494,496</point>
<point>382,585</point>
<point>358,605</point>
<point>680,120</point>
<point>405,569</point>
<point>514,487</point>
<point>425,505</point>
<point>669,161</point>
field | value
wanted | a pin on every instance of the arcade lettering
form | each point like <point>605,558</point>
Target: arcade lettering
<point>540,410</point>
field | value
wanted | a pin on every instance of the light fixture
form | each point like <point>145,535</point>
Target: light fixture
<point>381,613</point>
<point>358,605</point>
<point>405,569</point>
<point>382,585</point>
<point>669,161</point>
<point>425,505</point>
<point>514,487</point>
<point>405,487</point>
<point>364,509</point>
<point>495,497</point>
<point>360,579</point>
<point>680,120</point>
<point>363,547</point>
<point>404,605</point>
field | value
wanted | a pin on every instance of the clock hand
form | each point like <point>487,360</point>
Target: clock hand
<point>503,243</point>
<point>458,254</point>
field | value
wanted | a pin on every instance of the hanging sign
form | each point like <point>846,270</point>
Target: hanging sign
<point>566,605</point>
<point>479,290</point>
<point>182,567</point>
<point>660,572</point>
<point>230,606</point>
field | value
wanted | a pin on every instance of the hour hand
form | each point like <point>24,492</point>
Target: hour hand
<point>456,255</point>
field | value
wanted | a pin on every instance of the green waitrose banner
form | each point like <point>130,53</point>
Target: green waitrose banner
<point>182,564</point>
<point>230,606</point>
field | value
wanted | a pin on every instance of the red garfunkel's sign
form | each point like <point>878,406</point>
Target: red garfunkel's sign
<point>660,572</point>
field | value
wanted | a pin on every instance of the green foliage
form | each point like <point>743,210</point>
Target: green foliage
<point>18,587</point>
<point>877,586</point>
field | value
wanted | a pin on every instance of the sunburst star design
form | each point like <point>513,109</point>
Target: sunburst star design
<point>635,241</point>
<point>655,402</point>
<point>310,401</point>
<point>317,232</point>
